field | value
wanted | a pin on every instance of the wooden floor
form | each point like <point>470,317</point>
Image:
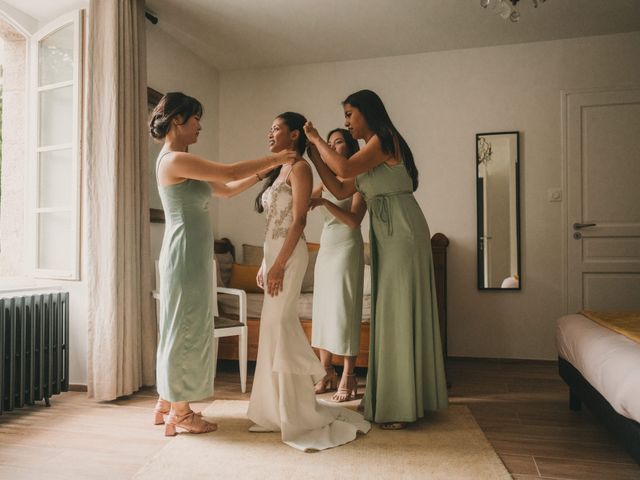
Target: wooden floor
<point>521,407</point>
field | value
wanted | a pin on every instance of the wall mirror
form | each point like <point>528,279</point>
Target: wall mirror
<point>498,204</point>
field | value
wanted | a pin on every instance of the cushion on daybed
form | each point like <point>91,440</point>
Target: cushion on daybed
<point>244,278</point>
<point>229,305</point>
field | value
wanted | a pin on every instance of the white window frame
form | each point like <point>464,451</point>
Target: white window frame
<point>75,18</point>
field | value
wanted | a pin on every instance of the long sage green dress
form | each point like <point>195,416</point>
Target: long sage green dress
<point>185,369</point>
<point>406,369</point>
<point>338,282</point>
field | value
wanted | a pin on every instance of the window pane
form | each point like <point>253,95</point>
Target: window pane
<point>56,57</point>
<point>56,118</point>
<point>55,172</point>
<point>54,233</point>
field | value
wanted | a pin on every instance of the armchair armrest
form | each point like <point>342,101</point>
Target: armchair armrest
<point>242,300</point>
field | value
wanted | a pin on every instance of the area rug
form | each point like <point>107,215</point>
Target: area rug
<point>445,445</point>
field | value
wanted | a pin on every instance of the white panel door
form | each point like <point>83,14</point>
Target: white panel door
<point>603,211</point>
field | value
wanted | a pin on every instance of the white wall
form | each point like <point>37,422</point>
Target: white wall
<point>439,101</point>
<point>171,67</point>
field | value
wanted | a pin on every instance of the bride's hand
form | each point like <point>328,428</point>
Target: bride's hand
<point>312,133</point>
<point>260,279</point>
<point>285,156</point>
<point>275,280</point>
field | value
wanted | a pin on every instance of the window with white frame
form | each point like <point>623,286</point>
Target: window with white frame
<point>56,69</point>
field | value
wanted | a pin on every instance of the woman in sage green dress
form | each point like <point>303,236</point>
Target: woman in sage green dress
<point>338,278</point>
<point>186,182</point>
<point>406,369</point>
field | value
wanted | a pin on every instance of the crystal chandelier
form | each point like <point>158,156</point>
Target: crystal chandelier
<point>507,8</point>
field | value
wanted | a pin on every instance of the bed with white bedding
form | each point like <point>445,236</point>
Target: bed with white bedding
<point>602,369</point>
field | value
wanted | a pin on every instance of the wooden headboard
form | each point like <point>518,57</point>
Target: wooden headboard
<point>439,244</point>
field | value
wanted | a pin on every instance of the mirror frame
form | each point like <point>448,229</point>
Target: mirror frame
<point>479,227</point>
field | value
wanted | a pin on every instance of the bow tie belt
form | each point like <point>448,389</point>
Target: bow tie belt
<point>379,208</point>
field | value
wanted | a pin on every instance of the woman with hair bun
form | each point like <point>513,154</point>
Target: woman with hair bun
<point>282,395</point>
<point>405,377</point>
<point>185,366</point>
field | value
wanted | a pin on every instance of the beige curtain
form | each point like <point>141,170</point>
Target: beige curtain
<point>122,331</point>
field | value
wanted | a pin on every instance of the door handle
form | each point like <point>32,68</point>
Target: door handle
<point>578,226</point>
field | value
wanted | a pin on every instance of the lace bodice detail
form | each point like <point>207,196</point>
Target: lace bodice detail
<point>277,201</point>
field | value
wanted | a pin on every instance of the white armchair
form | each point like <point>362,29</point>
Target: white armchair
<point>223,326</point>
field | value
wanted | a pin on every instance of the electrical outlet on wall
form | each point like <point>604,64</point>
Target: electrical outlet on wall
<point>554,195</point>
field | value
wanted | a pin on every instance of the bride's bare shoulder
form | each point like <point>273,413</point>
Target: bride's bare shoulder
<point>301,170</point>
<point>301,166</point>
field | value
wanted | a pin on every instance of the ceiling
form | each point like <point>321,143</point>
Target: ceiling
<point>44,11</point>
<point>237,34</point>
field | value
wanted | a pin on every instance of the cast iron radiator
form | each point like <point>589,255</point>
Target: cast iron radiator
<point>34,348</point>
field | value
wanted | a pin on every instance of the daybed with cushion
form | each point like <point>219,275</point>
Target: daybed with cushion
<point>601,365</point>
<point>236,275</point>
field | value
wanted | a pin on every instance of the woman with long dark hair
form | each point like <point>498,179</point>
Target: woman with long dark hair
<point>282,395</point>
<point>185,364</point>
<point>338,277</point>
<point>406,369</point>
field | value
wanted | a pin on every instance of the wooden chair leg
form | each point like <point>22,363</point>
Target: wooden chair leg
<point>215,357</point>
<point>242,358</point>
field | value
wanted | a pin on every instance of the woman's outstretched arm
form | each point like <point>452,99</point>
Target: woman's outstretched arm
<point>367,158</point>
<point>231,189</point>
<point>182,165</point>
<point>340,189</point>
<point>351,218</point>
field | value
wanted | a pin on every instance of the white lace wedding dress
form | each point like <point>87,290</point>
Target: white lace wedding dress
<point>283,397</point>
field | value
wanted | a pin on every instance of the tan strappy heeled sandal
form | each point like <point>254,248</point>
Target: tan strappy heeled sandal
<point>329,381</point>
<point>393,425</point>
<point>348,391</point>
<point>191,422</point>
<point>162,409</point>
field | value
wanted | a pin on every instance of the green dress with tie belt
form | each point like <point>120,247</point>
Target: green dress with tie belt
<point>406,368</point>
<point>185,368</point>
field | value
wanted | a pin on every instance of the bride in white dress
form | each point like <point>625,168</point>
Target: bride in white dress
<point>283,397</point>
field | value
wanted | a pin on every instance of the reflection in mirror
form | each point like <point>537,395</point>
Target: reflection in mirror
<point>498,210</point>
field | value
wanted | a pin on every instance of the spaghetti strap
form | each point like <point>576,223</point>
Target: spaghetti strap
<point>286,179</point>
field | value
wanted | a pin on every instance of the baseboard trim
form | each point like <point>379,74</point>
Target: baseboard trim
<point>503,360</point>
<point>76,387</point>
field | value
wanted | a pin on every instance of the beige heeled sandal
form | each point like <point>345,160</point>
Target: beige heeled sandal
<point>191,422</point>
<point>162,409</point>
<point>393,425</point>
<point>329,381</point>
<point>348,391</point>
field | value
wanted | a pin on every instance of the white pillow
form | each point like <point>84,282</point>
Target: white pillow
<point>367,280</point>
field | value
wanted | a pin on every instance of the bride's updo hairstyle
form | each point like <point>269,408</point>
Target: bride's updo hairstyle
<point>293,121</point>
<point>169,106</point>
